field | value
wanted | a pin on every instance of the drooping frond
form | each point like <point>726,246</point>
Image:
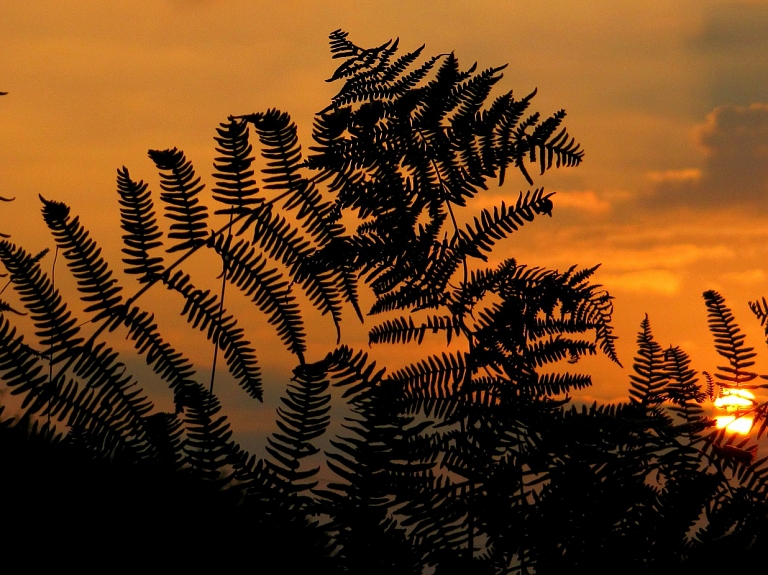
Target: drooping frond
<point>760,309</point>
<point>203,312</point>
<point>137,218</point>
<point>22,370</point>
<point>57,329</point>
<point>555,348</point>
<point>181,188</point>
<point>94,279</point>
<point>280,147</point>
<point>729,342</point>
<point>235,187</point>
<point>247,269</point>
<point>111,403</point>
<point>561,147</point>
<point>651,375</point>
<point>353,371</point>
<point>165,361</point>
<point>282,242</point>
<point>302,418</point>
<point>208,448</point>
<point>536,303</point>
<point>108,406</point>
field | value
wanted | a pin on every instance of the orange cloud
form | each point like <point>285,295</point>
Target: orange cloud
<point>585,200</point>
<point>747,278</point>
<point>662,282</point>
<point>690,174</point>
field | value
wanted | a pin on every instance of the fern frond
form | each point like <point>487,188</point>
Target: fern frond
<point>403,330</point>
<point>560,147</point>
<point>281,149</point>
<point>57,329</point>
<point>247,270</point>
<point>425,383</point>
<point>358,60</point>
<point>352,370</point>
<point>729,342</point>
<point>493,227</point>
<point>108,406</point>
<point>302,419</point>
<point>683,389</point>
<point>558,383</point>
<point>651,375</point>
<point>712,388</point>
<point>557,348</point>
<point>165,361</point>
<point>208,448</point>
<point>137,218</point>
<point>500,136</point>
<point>235,187</point>
<point>282,242</point>
<point>111,403</point>
<point>94,279</point>
<point>204,313</point>
<point>181,188</point>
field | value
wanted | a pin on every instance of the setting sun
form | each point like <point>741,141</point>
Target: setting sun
<point>737,405</point>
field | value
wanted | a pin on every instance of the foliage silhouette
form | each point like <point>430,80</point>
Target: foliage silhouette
<point>468,460</point>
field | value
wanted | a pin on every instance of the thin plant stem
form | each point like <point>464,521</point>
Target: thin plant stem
<point>221,310</point>
<point>50,349</point>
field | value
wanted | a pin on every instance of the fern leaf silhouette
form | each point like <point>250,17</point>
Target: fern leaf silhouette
<point>729,342</point>
<point>140,226</point>
<point>650,368</point>
<point>265,286</point>
<point>181,187</point>
<point>303,417</point>
<point>94,279</point>
<point>236,186</point>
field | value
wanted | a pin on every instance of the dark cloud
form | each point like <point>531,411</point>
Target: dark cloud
<point>735,172</point>
<point>734,44</point>
<point>735,27</point>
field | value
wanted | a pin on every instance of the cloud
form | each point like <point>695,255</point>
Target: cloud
<point>662,282</point>
<point>749,278</point>
<point>733,46</point>
<point>584,200</point>
<point>734,141</point>
<point>690,174</point>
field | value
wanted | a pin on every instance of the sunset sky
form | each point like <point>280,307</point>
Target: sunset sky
<point>669,99</point>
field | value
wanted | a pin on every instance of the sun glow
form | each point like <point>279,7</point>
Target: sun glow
<point>737,404</point>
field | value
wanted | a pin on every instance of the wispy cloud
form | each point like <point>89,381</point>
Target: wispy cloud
<point>658,281</point>
<point>584,200</point>
<point>685,175</point>
<point>751,277</point>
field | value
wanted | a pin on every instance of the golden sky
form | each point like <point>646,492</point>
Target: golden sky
<point>669,98</point>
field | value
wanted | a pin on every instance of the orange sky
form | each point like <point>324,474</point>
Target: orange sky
<point>669,98</point>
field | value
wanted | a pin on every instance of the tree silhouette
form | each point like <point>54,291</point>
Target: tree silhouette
<point>469,460</point>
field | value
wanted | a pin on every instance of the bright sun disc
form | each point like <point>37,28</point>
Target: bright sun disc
<point>736,403</point>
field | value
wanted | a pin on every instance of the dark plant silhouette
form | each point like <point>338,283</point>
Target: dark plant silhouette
<point>471,460</point>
